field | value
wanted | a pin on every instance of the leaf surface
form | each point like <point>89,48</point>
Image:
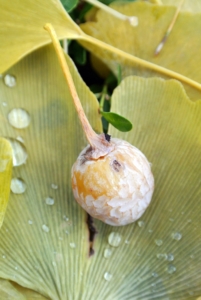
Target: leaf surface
<point>6,157</point>
<point>166,247</point>
<point>55,263</point>
<point>188,5</point>
<point>34,257</point>
<point>21,27</point>
<point>178,54</point>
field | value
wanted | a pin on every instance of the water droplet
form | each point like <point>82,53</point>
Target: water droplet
<point>192,256</point>
<point>54,264</point>
<point>107,253</point>
<point>158,242</point>
<point>154,274</point>
<point>72,245</point>
<point>16,268</point>
<point>140,223</point>
<point>191,293</point>
<point>3,256</point>
<point>114,239</point>
<point>161,256</point>
<point>4,104</point>
<point>189,220</point>
<point>171,219</point>
<point>19,138</point>
<point>107,276</point>
<point>54,186</point>
<point>150,230</point>
<point>19,118</point>
<point>133,21</point>
<point>171,269</point>
<point>49,201</point>
<point>3,164</point>
<point>127,242</point>
<point>170,257</point>
<point>30,222</point>
<point>176,236</point>
<point>65,218</point>
<point>66,232</point>
<point>17,186</point>
<point>10,80</point>
<point>19,152</point>
<point>45,228</point>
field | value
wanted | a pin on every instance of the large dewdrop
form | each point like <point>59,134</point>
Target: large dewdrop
<point>116,188</point>
<point>111,179</point>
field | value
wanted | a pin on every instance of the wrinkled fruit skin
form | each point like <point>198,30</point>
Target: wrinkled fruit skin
<point>116,188</point>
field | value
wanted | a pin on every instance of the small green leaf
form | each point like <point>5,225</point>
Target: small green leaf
<point>69,4</point>
<point>119,122</point>
<point>77,53</point>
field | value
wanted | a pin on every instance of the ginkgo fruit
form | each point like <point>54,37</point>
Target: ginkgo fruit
<point>111,179</point>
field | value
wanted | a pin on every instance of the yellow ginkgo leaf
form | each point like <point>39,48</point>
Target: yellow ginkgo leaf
<point>180,53</point>
<point>45,237</point>
<point>21,27</point>
<point>187,5</point>
<point>12,291</point>
<point>6,157</point>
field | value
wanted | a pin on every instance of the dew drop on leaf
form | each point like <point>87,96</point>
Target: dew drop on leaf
<point>107,276</point>
<point>65,218</point>
<point>158,242</point>
<point>49,201</point>
<point>176,236</point>
<point>72,245</point>
<point>114,239</point>
<point>19,118</point>
<point>171,269</point>
<point>19,152</point>
<point>9,80</point>
<point>45,228</point>
<point>162,256</point>
<point>17,186</point>
<point>170,257</point>
<point>107,253</point>
<point>20,139</point>
<point>141,223</point>
<point>54,264</point>
<point>54,186</point>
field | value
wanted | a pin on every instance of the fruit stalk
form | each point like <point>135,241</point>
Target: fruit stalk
<point>98,142</point>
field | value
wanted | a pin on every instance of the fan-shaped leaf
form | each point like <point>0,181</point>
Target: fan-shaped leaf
<point>33,257</point>
<point>178,54</point>
<point>6,157</point>
<point>21,27</point>
<point>46,247</point>
<point>188,5</point>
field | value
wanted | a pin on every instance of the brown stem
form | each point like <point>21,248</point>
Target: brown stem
<point>98,143</point>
